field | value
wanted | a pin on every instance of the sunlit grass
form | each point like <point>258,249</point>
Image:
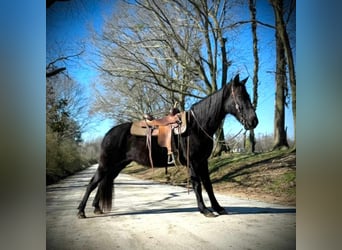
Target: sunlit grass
<point>272,173</point>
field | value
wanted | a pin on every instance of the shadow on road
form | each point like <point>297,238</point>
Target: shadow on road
<point>231,211</point>
<point>260,210</point>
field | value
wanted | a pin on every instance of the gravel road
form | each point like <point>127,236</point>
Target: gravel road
<point>149,215</point>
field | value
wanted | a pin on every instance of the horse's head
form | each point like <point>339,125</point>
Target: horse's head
<point>239,104</point>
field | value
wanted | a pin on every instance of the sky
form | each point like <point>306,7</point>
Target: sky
<point>68,30</point>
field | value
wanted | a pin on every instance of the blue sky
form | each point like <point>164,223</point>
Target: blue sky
<point>67,29</point>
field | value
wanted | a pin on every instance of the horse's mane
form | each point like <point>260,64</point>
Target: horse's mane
<point>209,110</point>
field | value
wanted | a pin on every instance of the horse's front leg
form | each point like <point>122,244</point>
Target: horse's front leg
<point>196,184</point>
<point>204,174</point>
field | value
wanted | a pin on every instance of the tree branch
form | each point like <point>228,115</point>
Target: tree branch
<point>55,72</point>
<point>250,21</point>
<point>51,2</point>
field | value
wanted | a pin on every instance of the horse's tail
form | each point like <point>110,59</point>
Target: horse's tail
<point>106,189</point>
<point>112,161</point>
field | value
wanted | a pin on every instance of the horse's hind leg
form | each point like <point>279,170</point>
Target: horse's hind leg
<point>98,176</point>
<point>96,205</point>
<point>117,170</point>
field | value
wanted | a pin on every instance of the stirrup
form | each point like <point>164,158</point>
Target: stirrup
<point>170,159</point>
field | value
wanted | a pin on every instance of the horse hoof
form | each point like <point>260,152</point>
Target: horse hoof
<point>81,215</point>
<point>209,214</point>
<point>98,211</point>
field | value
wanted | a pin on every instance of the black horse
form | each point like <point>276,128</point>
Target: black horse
<point>119,147</point>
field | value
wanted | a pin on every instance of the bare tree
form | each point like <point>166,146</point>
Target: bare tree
<point>140,54</point>
<point>177,49</point>
<point>53,68</point>
<point>66,99</point>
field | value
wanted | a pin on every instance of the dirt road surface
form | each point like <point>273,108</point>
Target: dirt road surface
<point>149,215</point>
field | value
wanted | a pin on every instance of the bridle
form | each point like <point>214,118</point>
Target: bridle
<point>237,106</point>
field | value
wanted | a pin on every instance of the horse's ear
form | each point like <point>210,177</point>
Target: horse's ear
<point>243,82</point>
<point>236,79</point>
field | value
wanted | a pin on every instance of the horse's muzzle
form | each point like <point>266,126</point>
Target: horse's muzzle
<point>251,124</point>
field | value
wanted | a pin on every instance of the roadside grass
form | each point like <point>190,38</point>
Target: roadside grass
<point>269,176</point>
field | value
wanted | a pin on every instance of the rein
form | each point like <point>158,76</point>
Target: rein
<point>205,132</point>
<point>238,110</point>
<point>199,125</point>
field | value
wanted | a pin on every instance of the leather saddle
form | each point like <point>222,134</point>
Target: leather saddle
<point>162,128</point>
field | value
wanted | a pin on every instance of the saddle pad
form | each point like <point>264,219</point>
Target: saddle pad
<point>137,129</point>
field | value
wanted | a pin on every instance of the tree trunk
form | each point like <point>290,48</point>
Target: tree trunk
<point>252,141</point>
<point>280,140</point>
<point>283,35</point>
<point>252,10</point>
<point>219,144</point>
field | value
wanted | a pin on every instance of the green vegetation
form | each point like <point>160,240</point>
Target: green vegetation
<point>269,176</point>
<point>63,129</point>
<point>62,157</point>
